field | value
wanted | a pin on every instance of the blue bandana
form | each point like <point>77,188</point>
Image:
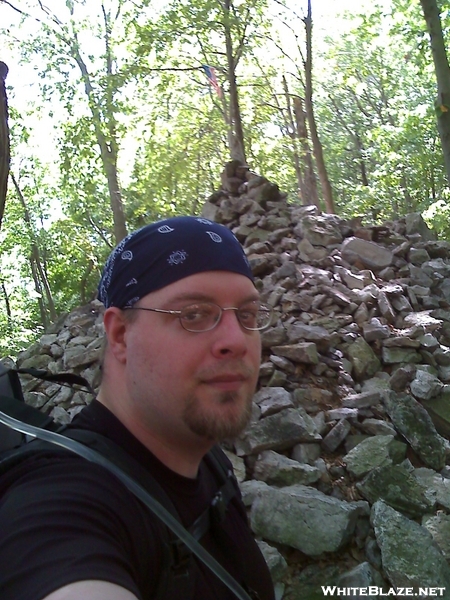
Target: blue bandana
<point>164,252</point>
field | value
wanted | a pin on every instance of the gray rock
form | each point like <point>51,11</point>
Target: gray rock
<point>250,490</point>
<point>308,584</point>
<point>410,557</point>
<point>363,400</point>
<point>375,330</point>
<point>424,320</point>
<point>273,337</point>
<point>425,386</point>
<point>309,333</point>
<point>305,352</point>
<point>35,399</point>
<point>319,230</point>
<point>372,255</point>
<point>238,465</point>
<point>367,455</point>
<point>278,432</point>
<point>304,518</point>
<point>385,307</point>
<point>336,414</point>
<point>283,363</point>
<point>38,361</point>
<point>336,436</point>
<point>275,561</point>
<point>398,488</point>
<point>401,377</point>
<point>364,361</point>
<point>438,486</point>
<point>439,527</point>
<point>276,469</point>
<point>416,426</point>
<point>60,415</point>
<point>272,400</point>
<point>306,453</point>
<point>416,224</point>
<point>377,427</point>
<point>401,341</point>
<point>417,256</point>
<point>80,357</point>
<point>393,356</point>
<point>442,356</point>
<point>46,341</point>
<point>358,577</point>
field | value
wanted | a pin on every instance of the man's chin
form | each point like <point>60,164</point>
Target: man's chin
<point>227,421</point>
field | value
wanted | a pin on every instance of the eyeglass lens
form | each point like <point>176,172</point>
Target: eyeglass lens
<point>204,316</point>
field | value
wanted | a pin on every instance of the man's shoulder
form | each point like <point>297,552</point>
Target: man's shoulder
<point>53,469</point>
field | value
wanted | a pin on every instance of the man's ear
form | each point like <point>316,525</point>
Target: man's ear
<point>115,324</point>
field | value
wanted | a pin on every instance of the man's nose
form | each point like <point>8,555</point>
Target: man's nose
<point>231,337</point>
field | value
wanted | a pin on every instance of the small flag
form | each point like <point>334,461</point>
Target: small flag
<point>211,75</point>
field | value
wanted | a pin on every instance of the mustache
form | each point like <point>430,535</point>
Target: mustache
<point>230,368</point>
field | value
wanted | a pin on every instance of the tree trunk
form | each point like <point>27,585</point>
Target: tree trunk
<point>7,304</point>
<point>35,260</point>
<point>108,147</point>
<point>38,288</point>
<point>432,18</point>
<point>310,177</point>
<point>291,131</point>
<point>4,140</point>
<point>362,164</point>
<point>317,146</point>
<point>83,282</point>
<point>237,147</point>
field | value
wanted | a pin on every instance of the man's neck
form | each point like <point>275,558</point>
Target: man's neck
<point>182,458</point>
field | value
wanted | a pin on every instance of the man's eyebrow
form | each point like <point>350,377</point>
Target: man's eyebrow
<point>200,297</point>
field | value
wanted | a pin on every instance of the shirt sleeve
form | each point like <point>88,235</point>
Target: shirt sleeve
<point>63,520</point>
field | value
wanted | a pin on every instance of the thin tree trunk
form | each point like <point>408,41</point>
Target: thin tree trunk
<point>407,196</point>
<point>108,148</point>
<point>433,20</point>
<point>7,304</point>
<point>36,255</point>
<point>362,164</point>
<point>291,130</point>
<point>310,177</point>
<point>38,288</point>
<point>83,282</point>
<point>42,309</point>
<point>4,140</point>
<point>317,146</point>
<point>237,147</point>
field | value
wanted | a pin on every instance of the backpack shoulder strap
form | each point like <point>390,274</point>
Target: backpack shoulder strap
<point>124,461</point>
<point>216,511</point>
<point>171,521</point>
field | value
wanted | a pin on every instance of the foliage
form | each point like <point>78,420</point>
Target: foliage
<point>124,82</point>
<point>378,124</point>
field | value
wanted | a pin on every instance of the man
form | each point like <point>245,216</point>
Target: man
<point>181,364</point>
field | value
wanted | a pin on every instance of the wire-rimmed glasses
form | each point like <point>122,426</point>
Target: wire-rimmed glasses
<point>204,316</point>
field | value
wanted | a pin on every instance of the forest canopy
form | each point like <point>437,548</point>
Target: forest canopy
<point>129,111</point>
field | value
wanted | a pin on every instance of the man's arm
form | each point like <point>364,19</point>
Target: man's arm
<point>91,590</point>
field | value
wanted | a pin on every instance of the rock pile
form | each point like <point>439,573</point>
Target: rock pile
<point>344,466</point>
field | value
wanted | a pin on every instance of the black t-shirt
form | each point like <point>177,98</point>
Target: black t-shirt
<point>64,519</point>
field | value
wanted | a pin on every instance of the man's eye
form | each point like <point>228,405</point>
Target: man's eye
<point>197,313</point>
<point>248,315</point>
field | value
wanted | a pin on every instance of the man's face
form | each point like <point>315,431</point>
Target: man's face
<point>193,384</point>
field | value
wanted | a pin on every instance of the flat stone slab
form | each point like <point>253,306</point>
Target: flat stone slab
<point>304,518</point>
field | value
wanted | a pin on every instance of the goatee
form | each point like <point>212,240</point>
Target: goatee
<point>214,427</point>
